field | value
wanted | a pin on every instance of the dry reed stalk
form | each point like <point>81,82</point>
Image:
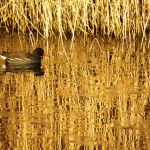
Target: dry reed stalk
<point>122,19</point>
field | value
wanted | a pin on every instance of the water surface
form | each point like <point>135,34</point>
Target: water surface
<point>95,96</point>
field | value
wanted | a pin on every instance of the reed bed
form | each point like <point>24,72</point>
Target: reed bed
<point>118,18</point>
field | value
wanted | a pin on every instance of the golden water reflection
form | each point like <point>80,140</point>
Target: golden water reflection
<point>99,99</point>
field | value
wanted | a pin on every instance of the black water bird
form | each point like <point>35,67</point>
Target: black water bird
<point>17,62</point>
